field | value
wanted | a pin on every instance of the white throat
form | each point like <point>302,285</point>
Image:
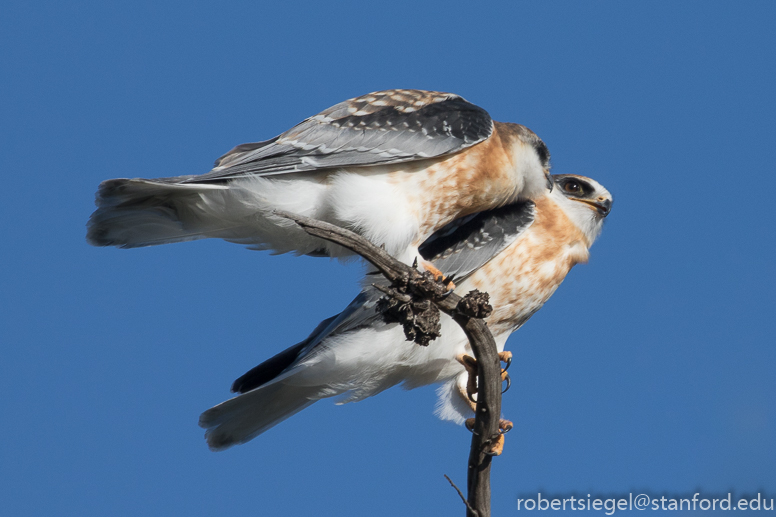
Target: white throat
<point>584,216</point>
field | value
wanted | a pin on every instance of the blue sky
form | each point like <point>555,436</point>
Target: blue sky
<point>650,370</point>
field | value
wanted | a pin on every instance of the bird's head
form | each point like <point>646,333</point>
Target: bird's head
<point>531,157</point>
<point>586,201</point>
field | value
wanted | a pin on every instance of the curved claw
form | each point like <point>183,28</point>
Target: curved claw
<point>496,446</point>
<point>448,293</point>
<point>505,357</point>
<point>509,382</point>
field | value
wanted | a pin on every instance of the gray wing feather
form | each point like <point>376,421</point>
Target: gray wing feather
<point>466,244</point>
<point>379,128</point>
<point>460,248</point>
<point>361,312</point>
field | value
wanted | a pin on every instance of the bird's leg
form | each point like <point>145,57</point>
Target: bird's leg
<point>497,445</point>
<point>438,275</point>
<point>470,364</point>
<point>505,357</point>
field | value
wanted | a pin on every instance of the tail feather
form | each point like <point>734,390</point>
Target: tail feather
<point>136,212</point>
<point>139,212</point>
<point>246,416</point>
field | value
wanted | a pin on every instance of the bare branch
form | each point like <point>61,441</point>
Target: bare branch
<point>468,313</point>
<point>463,498</point>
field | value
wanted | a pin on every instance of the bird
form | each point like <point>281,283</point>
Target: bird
<point>393,166</point>
<point>518,253</point>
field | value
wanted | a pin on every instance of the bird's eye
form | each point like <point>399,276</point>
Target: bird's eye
<point>572,187</point>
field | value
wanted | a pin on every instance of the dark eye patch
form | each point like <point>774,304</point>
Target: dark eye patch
<point>572,187</point>
<point>576,187</point>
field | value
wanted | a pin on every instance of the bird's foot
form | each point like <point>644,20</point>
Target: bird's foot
<point>506,358</point>
<point>504,426</point>
<point>470,364</point>
<point>438,275</point>
<point>497,444</point>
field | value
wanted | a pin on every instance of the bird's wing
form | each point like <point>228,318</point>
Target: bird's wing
<point>463,246</point>
<point>360,313</point>
<point>378,128</point>
<point>459,249</point>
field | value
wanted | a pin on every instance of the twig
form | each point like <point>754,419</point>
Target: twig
<point>467,312</point>
<point>460,494</point>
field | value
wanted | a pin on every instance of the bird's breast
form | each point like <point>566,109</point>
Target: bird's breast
<point>438,191</point>
<point>524,276</point>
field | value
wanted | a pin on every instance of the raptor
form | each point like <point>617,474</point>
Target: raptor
<point>518,253</point>
<point>394,166</point>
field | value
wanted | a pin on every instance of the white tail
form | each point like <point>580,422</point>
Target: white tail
<point>138,212</point>
<point>246,416</point>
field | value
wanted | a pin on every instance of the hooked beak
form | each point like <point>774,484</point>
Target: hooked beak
<point>550,183</point>
<point>603,207</point>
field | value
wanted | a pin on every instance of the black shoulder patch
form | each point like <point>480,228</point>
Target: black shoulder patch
<point>463,246</point>
<point>455,118</point>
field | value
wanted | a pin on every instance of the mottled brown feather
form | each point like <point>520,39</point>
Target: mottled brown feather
<point>524,276</point>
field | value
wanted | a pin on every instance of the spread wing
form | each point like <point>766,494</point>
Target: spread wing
<point>384,127</point>
<point>463,246</point>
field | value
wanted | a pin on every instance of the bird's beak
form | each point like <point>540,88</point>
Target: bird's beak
<point>550,183</point>
<point>603,207</point>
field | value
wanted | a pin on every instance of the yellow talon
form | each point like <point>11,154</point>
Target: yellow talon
<point>504,426</point>
<point>497,446</point>
<point>438,275</point>
<point>470,364</point>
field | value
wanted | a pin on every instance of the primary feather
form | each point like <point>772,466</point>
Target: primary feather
<point>394,166</point>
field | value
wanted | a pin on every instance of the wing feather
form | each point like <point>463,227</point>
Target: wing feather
<point>359,313</point>
<point>378,128</point>
<point>463,246</point>
<point>460,249</point>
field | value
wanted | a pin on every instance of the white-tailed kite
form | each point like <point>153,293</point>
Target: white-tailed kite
<point>518,253</point>
<point>394,166</point>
